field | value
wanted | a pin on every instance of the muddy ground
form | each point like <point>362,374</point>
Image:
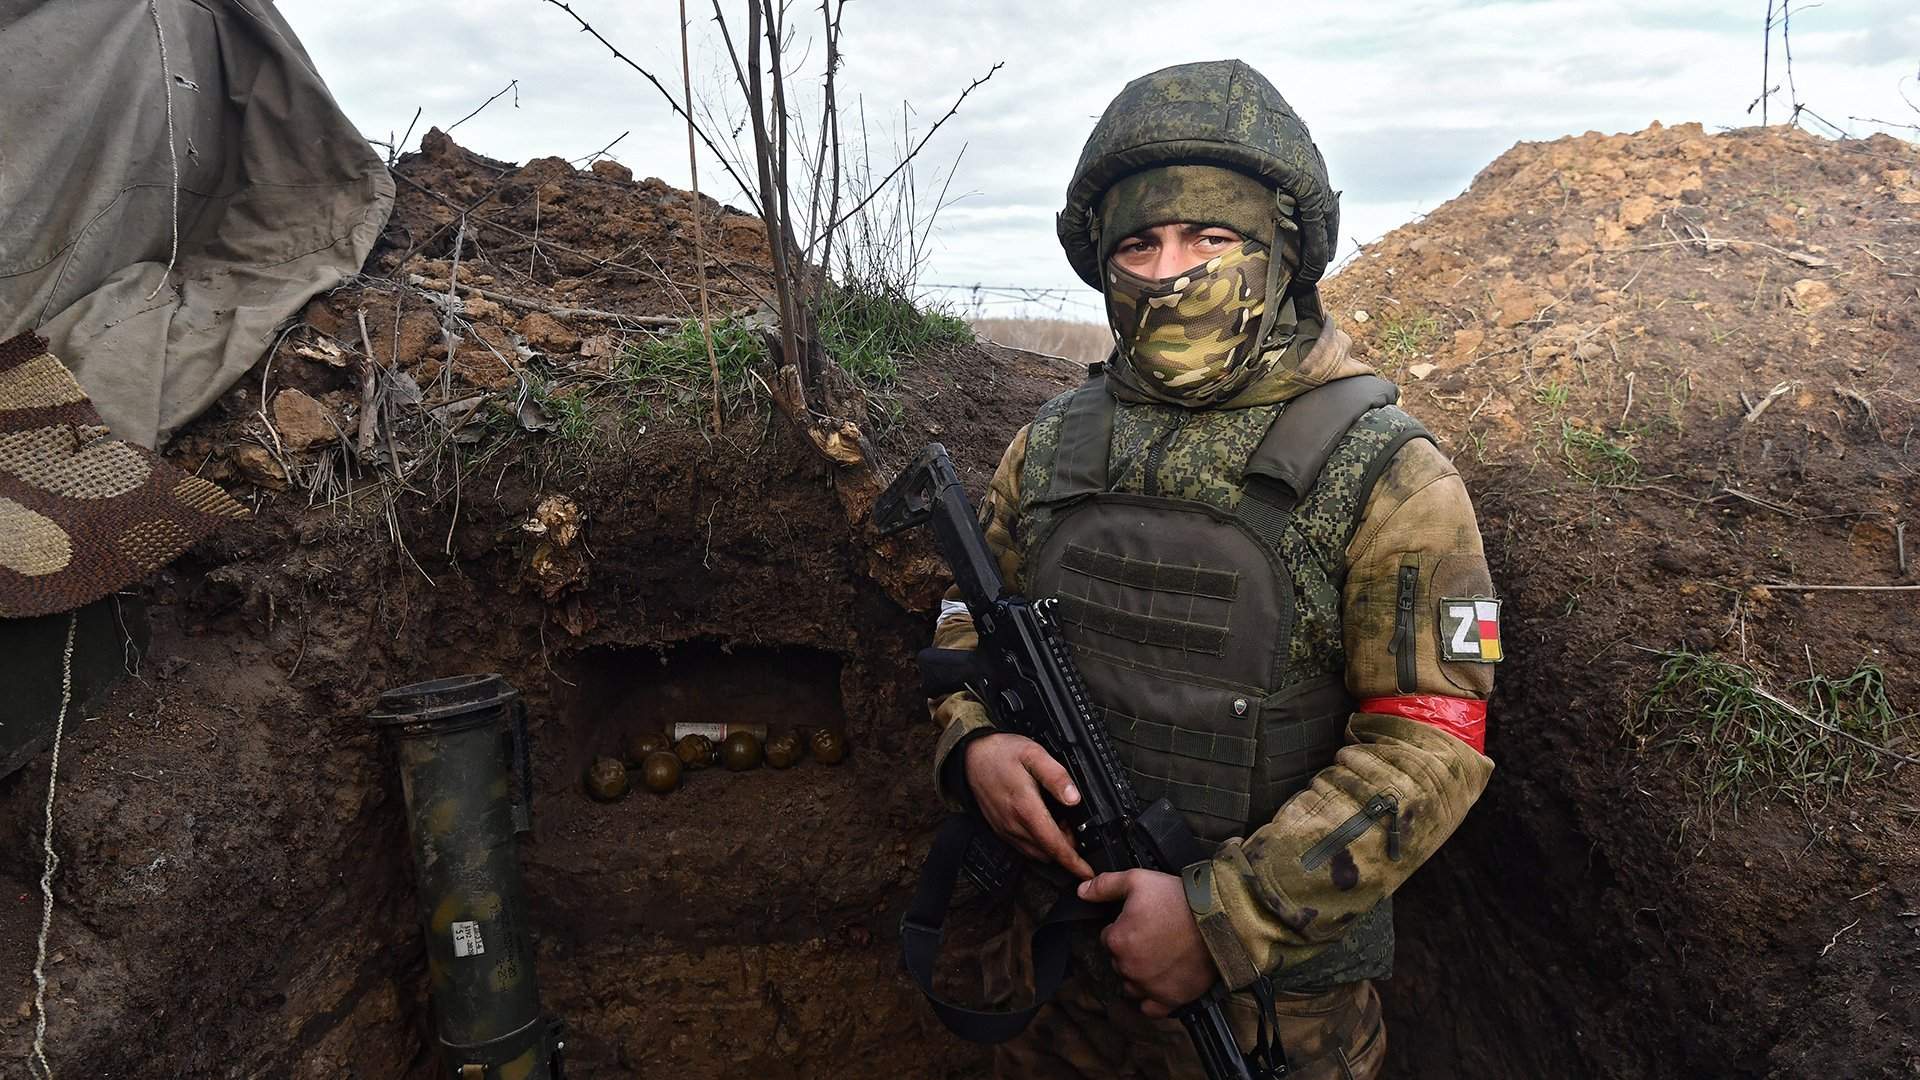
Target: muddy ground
<point>1595,330</point>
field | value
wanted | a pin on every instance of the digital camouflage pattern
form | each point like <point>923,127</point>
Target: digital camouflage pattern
<point>1190,339</point>
<point>1304,893</point>
<point>1218,112</point>
<point>1317,538</point>
<point>1197,456</point>
<point>1182,143</point>
<point>1200,195</point>
<point>1265,912</point>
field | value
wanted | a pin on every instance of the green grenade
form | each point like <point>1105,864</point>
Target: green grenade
<point>741,752</point>
<point>783,751</point>
<point>660,772</point>
<point>829,746</point>
<point>695,751</point>
<point>606,779</point>
<point>640,744</point>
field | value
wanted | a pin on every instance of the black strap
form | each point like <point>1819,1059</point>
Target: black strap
<point>923,925</point>
<point>1268,1058</point>
<point>1086,435</point>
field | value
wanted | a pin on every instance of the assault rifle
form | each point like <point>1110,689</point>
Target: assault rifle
<point>1023,671</point>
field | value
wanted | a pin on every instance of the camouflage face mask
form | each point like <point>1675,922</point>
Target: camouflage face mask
<point>1194,339</point>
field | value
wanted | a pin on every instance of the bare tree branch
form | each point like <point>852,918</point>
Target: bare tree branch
<point>907,159</point>
<point>1884,123</point>
<point>769,199</point>
<point>602,152</point>
<point>664,92</point>
<point>514,86</point>
<point>699,232</point>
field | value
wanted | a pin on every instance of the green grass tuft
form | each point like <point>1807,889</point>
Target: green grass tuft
<point>678,360</point>
<point>869,329</point>
<point>1597,459</point>
<point>1405,335</point>
<point>1748,743</point>
<point>667,376</point>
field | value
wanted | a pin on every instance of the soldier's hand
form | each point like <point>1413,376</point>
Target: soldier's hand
<point>1155,942</point>
<point>1006,773</point>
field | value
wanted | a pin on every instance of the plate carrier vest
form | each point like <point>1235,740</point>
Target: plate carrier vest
<point>1198,561</point>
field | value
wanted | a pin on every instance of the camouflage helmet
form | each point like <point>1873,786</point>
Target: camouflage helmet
<point>1219,112</point>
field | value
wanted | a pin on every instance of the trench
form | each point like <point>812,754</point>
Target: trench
<point>743,925</point>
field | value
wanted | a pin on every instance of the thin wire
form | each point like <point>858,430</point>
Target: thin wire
<point>173,155</point>
<point>39,1058</point>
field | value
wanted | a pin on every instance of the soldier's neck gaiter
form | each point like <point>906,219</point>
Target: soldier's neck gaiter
<point>1192,339</point>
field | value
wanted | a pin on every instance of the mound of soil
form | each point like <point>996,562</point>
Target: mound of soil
<point>1596,330</point>
<point>1677,369</point>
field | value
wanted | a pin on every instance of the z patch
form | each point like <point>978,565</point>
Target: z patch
<point>1470,630</point>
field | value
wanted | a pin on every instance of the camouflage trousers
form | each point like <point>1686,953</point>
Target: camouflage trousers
<point>1090,1033</point>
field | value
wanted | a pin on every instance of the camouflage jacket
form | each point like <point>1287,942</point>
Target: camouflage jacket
<point>1257,905</point>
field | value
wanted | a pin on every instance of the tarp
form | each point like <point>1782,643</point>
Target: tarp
<point>279,196</point>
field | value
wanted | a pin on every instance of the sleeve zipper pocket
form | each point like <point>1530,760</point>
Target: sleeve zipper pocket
<point>1382,806</point>
<point>1402,646</point>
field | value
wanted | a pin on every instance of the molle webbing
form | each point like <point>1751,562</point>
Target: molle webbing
<point>1292,490</point>
<point>1198,561</point>
<point>1168,633</point>
<point>1159,577</point>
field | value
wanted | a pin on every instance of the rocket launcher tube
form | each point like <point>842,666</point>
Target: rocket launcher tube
<point>458,743</point>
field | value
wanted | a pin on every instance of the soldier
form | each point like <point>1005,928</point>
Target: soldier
<point>1274,586</point>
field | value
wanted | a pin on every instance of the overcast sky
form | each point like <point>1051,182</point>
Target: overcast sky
<point>1408,100</point>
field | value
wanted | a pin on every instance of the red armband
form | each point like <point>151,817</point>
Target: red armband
<point>1463,718</point>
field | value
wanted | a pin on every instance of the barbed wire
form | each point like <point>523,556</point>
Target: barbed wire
<point>979,296</point>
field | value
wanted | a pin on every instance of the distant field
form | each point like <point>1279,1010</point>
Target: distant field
<point>1085,342</point>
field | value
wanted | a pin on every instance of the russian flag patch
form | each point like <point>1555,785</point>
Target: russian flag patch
<point>1470,630</point>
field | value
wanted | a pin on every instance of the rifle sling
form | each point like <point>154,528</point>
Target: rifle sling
<point>922,928</point>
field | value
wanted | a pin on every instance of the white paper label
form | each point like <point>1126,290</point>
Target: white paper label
<point>466,939</point>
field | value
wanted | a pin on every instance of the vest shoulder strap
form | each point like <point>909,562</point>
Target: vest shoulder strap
<point>1086,433</point>
<point>1306,432</point>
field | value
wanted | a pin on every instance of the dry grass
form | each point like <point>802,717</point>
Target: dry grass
<point>1086,342</point>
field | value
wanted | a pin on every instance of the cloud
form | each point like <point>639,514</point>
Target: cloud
<point>1409,98</point>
